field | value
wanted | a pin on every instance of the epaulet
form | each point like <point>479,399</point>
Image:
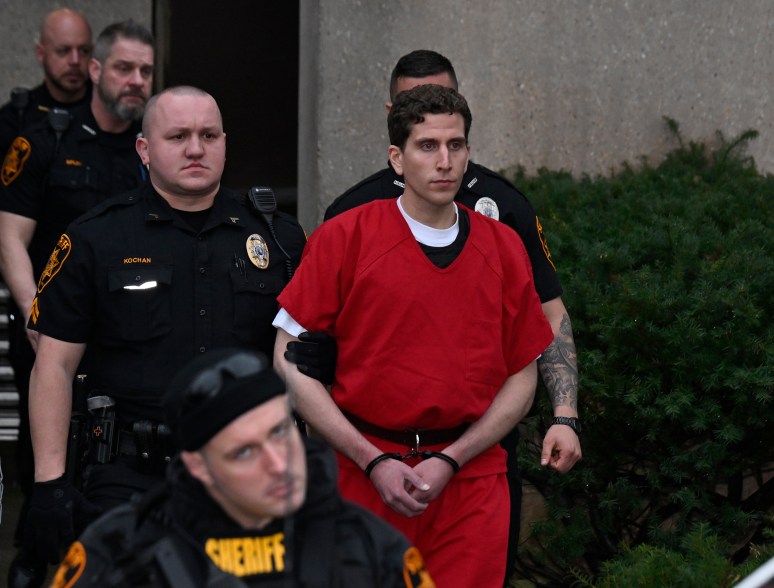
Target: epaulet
<point>364,191</point>
<point>483,181</point>
<point>120,201</point>
<point>377,177</point>
<point>80,120</point>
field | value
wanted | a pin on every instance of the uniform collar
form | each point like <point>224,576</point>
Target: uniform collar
<point>43,100</point>
<point>224,209</point>
<point>83,123</point>
<point>469,180</point>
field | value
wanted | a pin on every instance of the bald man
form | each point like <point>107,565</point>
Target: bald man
<point>51,176</point>
<point>139,286</point>
<point>63,50</point>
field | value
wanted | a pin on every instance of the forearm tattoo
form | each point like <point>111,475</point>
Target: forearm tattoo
<point>559,367</point>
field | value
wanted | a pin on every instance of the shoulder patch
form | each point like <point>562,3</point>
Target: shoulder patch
<point>383,184</point>
<point>544,243</point>
<point>376,177</point>
<point>71,568</point>
<point>14,160</point>
<point>58,256</point>
<point>415,573</point>
<point>482,181</point>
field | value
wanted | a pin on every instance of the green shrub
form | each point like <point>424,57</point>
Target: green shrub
<point>698,563</point>
<point>668,274</point>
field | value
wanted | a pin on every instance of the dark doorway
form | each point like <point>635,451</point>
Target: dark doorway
<point>244,53</point>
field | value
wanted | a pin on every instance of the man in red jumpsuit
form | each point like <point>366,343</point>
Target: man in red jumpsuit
<point>438,327</point>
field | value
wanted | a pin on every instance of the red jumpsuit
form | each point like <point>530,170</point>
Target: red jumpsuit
<point>428,348</point>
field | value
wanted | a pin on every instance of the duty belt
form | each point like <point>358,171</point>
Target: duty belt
<point>413,438</point>
<point>148,442</point>
<point>126,444</point>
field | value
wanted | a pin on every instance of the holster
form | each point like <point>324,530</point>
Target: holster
<point>153,446</point>
<point>102,428</point>
<point>77,436</point>
<point>149,442</point>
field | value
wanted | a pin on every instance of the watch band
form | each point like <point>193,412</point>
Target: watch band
<point>571,422</point>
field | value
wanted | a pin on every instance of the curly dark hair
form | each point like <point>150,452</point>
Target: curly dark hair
<point>411,106</point>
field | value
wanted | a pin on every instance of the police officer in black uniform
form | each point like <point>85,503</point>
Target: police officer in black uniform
<point>63,51</point>
<point>248,502</point>
<point>136,288</point>
<point>492,195</point>
<point>59,168</point>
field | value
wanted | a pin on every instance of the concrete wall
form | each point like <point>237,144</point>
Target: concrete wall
<point>580,85</point>
<point>20,21</point>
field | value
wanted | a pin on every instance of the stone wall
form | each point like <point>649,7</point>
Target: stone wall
<point>581,86</point>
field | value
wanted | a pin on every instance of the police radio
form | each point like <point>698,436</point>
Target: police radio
<point>263,200</point>
<point>59,119</point>
<point>20,99</point>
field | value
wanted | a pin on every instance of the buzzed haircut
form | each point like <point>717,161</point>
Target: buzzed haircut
<point>410,107</point>
<point>420,64</point>
<point>127,29</point>
<point>150,107</point>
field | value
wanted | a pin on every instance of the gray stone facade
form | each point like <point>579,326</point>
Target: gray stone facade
<point>581,86</point>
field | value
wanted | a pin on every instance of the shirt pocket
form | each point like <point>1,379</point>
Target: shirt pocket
<point>484,361</point>
<point>255,305</point>
<point>140,302</point>
<point>73,177</point>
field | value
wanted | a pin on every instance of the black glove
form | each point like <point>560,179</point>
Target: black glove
<point>25,572</point>
<point>55,510</point>
<point>315,354</point>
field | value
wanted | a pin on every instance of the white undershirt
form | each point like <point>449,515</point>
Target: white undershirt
<point>430,236</point>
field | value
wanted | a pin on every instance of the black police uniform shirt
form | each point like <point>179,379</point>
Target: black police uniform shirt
<point>483,191</point>
<point>332,543</point>
<point>40,101</point>
<point>55,184</point>
<point>146,292</point>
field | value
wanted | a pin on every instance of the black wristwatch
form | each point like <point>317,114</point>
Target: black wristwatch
<point>571,422</point>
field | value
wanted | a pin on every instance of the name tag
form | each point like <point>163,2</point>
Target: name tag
<point>143,286</point>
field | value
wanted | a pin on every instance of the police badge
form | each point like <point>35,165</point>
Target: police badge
<point>258,251</point>
<point>488,207</point>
